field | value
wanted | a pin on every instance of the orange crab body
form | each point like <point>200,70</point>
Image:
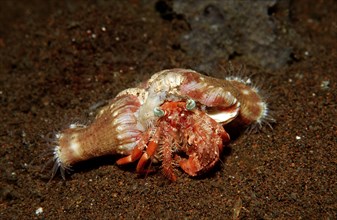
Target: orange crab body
<point>189,138</point>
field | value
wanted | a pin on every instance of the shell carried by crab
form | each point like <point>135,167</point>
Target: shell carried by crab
<point>175,118</point>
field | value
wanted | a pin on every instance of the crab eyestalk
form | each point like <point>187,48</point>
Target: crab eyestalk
<point>190,104</point>
<point>158,112</point>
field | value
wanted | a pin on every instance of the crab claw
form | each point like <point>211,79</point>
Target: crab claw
<point>190,166</point>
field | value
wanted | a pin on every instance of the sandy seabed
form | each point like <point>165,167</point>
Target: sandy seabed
<point>59,61</point>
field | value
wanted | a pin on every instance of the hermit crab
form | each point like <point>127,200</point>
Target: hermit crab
<point>176,118</point>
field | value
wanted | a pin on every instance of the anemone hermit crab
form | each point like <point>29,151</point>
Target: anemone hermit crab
<point>176,118</point>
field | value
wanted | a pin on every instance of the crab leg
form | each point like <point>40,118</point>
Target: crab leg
<point>150,151</point>
<point>136,153</point>
<point>167,162</point>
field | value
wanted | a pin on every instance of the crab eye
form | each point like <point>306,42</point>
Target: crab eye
<point>158,112</point>
<point>190,104</point>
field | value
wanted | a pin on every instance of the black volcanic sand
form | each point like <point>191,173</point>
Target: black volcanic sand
<point>61,61</point>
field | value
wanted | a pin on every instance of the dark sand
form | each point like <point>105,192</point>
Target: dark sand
<point>59,61</point>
